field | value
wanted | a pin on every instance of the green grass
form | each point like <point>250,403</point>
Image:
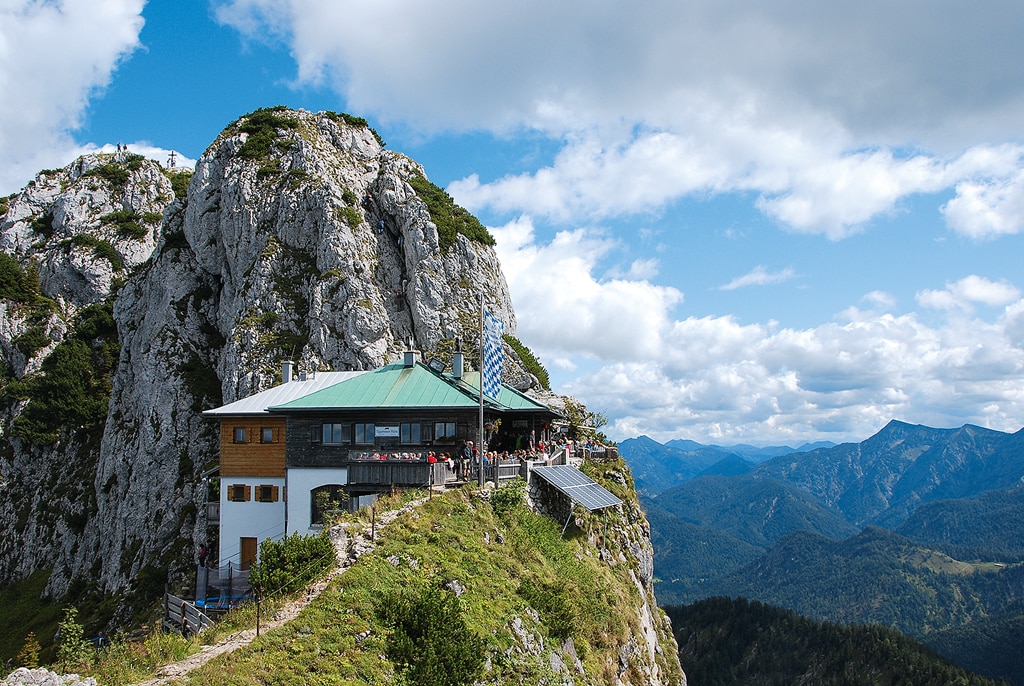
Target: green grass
<point>453,537</point>
<point>24,611</point>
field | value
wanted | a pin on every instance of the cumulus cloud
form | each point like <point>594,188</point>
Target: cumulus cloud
<point>713,378</point>
<point>54,56</point>
<point>970,291</point>
<point>986,209</point>
<point>572,312</point>
<point>830,114</point>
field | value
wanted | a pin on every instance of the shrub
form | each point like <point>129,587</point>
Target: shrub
<point>554,605</point>
<point>32,340</point>
<point>43,225</point>
<point>529,361</point>
<point>179,182</point>
<point>430,640</point>
<point>349,197</point>
<point>107,251</point>
<point>28,656</point>
<point>127,223</point>
<point>74,652</point>
<point>262,127</point>
<point>117,173</point>
<point>449,218</point>
<point>289,565</point>
<point>72,388</point>
<point>16,284</point>
<point>350,216</point>
<point>508,497</point>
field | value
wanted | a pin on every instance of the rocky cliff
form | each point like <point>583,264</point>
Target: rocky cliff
<point>129,305</point>
<point>132,297</point>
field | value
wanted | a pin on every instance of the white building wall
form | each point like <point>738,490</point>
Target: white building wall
<point>300,483</point>
<point>249,519</point>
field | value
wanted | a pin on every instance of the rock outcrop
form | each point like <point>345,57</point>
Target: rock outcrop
<point>300,237</point>
<point>129,303</point>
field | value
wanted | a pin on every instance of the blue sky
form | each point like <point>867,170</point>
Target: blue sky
<point>727,222</point>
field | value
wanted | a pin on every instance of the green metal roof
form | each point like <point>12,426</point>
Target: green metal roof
<point>393,385</point>
<point>508,398</point>
<point>398,386</point>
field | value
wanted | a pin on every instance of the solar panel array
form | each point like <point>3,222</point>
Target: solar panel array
<point>581,488</point>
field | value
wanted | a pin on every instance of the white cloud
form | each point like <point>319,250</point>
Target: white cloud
<point>570,311</point>
<point>54,56</point>
<point>986,209</point>
<point>712,378</point>
<point>830,114</point>
<point>759,276</point>
<point>968,292</point>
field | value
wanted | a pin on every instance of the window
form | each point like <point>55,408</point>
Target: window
<point>266,435</point>
<point>239,434</point>
<point>336,434</point>
<point>326,502</point>
<point>266,494</point>
<point>238,493</point>
<point>444,432</point>
<point>410,433</point>
<point>364,433</point>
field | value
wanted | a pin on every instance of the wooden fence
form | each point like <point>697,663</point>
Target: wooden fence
<point>183,617</point>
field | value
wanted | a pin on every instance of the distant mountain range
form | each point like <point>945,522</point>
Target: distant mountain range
<point>916,528</point>
<point>657,467</point>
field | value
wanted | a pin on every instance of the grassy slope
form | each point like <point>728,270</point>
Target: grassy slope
<point>457,538</point>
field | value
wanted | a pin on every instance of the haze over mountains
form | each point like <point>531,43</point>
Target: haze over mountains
<point>915,528</point>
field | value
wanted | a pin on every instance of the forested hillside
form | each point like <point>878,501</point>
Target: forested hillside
<point>726,642</point>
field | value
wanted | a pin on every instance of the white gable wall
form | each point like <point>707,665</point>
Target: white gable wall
<point>248,519</point>
<point>300,483</point>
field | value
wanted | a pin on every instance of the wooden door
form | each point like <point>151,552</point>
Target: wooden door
<point>248,547</point>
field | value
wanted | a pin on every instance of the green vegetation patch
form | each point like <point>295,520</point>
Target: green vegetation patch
<point>43,225</point>
<point>127,223</point>
<point>117,173</point>
<point>23,611</point>
<point>179,181</point>
<point>17,284</point>
<point>349,215</point>
<point>100,248</point>
<point>263,126</point>
<point>450,219</point>
<point>529,360</point>
<point>352,120</point>
<point>72,389</point>
<point>453,570</point>
<point>292,563</point>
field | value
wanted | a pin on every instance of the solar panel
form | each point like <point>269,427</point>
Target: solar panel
<point>578,486</point>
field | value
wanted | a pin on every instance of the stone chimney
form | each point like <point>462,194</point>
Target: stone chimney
<point>286,371</point>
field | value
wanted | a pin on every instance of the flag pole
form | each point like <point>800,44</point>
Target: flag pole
<point>480,434</point>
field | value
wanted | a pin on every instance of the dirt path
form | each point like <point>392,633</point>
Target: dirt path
<point>349,545</point>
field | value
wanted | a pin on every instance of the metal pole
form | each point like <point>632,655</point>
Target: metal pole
<point>480,429</point>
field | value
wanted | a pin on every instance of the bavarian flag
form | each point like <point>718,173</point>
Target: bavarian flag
<point>494,355</point>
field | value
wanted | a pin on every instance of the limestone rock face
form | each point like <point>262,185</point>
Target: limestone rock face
<point>276,252</point>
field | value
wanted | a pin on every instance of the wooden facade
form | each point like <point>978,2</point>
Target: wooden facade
<point>261,453</point>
